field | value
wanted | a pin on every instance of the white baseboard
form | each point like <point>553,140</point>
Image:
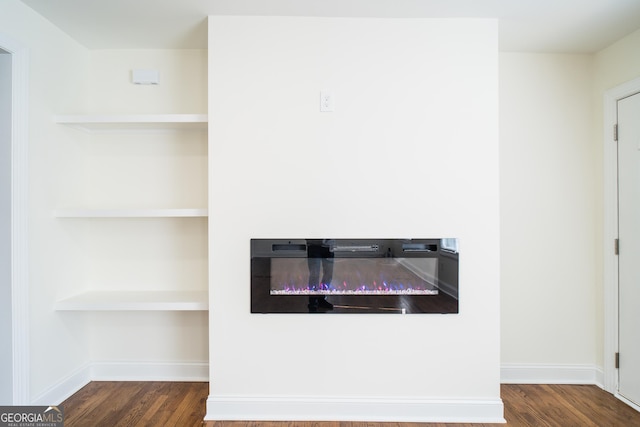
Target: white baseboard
<point>149,371</point>
<point>323,408</point>
<point>64,388</point>
<point>551,374</point>
<point>627,401</point>
<point>365,409</point>
<point>121,371</point>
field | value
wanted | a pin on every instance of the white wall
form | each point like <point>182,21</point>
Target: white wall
<point>617,64</point>
<point>182,88</point>
<point>613,66</point>
<point>6,374</point>
<point>548,216</point>
<point>411,150</point>
<point>57,82</point>
<point>551,150</point>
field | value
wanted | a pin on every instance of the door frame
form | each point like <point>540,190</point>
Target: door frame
<point>610,232</point>
<point>19,217</point>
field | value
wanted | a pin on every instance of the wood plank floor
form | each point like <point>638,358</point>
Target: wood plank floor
<point>112,404</point>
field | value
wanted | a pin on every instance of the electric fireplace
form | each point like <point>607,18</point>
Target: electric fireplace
<point>400,276</point>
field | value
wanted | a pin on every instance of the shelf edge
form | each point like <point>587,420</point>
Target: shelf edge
<point>135,301</point>
<point>98,123</point>
<point>131,213</point>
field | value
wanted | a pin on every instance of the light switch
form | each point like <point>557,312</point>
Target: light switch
<point>327,101</point>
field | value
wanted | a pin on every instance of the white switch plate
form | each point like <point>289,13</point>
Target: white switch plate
<point>327,101</point>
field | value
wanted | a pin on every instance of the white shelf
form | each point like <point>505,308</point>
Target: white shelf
<point>95,123</point>
<point>136,301</point>
<point>130,213</point>
<point>151,300</point>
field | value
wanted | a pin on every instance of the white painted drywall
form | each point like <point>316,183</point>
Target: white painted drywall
<point>613,66</point>
<point>551,127</point>
<point>617,64</point>
<point>182,88</point>
<point>57,82</point>
<point>6,358</point>
<point>548,216</point>
<point>411,150</point>
<point>166,170</point>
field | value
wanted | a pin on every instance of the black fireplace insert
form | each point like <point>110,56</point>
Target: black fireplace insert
<point>401,276</point>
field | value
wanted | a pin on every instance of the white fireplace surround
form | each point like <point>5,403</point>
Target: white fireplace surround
<point>415,101</point>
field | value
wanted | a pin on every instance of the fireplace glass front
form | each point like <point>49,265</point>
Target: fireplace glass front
<point>354,276</point>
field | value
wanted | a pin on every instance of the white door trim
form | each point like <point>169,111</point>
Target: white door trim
<point>19,217</point>
<point>610,232</point>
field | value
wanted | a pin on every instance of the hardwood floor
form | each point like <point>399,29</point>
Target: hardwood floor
<point>112,404</point>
